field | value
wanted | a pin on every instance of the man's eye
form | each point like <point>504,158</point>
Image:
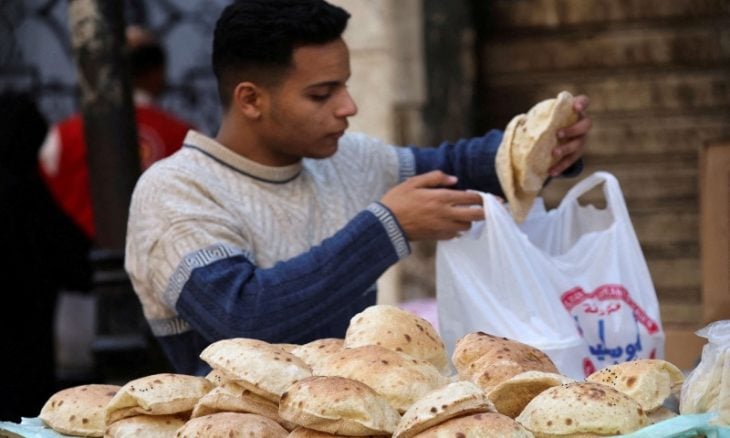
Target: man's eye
<point>319,97</point>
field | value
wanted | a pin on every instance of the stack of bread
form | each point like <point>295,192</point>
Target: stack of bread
<point>389,376</point>
<point>525,155</point>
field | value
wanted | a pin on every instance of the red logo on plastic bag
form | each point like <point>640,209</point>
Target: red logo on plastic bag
<point>577,295</point>
<point>609,320</point>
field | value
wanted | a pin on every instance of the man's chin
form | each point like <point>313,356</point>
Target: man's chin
<point>322,154</point>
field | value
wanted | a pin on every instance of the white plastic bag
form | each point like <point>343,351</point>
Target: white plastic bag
<point>707,387</point>
<point>571,281</point>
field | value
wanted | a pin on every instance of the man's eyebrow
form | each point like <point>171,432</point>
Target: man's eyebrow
<point>326,84</point>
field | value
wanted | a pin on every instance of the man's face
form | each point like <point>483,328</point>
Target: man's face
<point>306,113</point>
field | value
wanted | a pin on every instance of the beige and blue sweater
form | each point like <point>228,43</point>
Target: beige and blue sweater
<point>219,246</point>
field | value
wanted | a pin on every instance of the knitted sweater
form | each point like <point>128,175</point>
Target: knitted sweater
<point>219,246</point>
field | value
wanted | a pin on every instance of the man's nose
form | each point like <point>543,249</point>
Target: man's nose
<point>347,106</point>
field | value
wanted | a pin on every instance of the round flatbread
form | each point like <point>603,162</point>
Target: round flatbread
<point>158,394</point>
<point>303,432</point>
<point>147,426</point>
<point>398,330</point>
<point>512,395</point>
<point>339,406</point>
<point>79,410</point>
<point>482,425</point>
<point>231,397</point>
<point>315,352</point>
<point>263,368</point>
<point>490,360</point>
<point>648,381</point>
<point>400,378</point>
<point>525,155</point>
<point>231,425</point>
<point>582,408</point>
<point>453,400</point>
<point>216,377</point>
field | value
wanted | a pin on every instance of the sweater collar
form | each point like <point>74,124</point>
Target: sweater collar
<point>256,170</point>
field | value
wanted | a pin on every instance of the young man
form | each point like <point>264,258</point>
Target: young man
<point>279,227</point>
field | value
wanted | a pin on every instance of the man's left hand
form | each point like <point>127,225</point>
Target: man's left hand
<point>572,140</point>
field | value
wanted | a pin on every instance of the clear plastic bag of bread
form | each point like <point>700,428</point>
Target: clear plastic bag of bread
<point>707,387</point>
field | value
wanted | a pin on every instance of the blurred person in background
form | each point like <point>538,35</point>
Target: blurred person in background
<point>63,155</point>
<point>44,253</point>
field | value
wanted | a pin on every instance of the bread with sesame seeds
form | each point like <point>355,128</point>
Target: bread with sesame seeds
<point>398,330</point>
<point>263,368</point>
<point>648,381</point>
<point>453,400</point>
<point>582,409</point>
<point>79,410</point>
<point>338,405</point>
<point>157,394</point>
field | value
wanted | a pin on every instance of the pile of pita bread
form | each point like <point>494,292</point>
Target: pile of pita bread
<point>389,376</point>
<point>525,155</point>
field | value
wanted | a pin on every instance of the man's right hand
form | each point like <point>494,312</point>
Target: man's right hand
<point>428,210</point>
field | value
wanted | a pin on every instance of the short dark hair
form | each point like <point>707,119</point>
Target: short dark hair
<point>258,37</point>
<point>145,58</point>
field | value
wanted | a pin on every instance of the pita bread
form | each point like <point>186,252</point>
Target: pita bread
<point>582,408</point>
<point>216,377</point>
<point>489,360</point>
<point>453,400</point>
<point>263,368</point>
<point>400,378</point>
<point>78,410</point>
<point>525,154</point>
<point>158,394</point>
<point>315,352</point>
<point>482,425</point>
<point>338,405</point>
<point>303,432</point>
<point>399,330</point>
<point>148,426</point>
<point>512,395</point>
<point>230,397</point>
<point>648,381</point>
<point>231,425</point>
<point>287,347</point>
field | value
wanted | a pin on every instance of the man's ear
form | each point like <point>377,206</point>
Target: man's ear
<point>247,97</point>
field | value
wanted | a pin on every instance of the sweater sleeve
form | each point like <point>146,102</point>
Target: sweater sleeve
<point>471,160</point>
<point>232,297</point>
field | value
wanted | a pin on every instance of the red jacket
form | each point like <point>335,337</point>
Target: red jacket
<point>64,165</point>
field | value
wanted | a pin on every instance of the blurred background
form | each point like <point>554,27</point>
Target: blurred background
<point>424,71</point>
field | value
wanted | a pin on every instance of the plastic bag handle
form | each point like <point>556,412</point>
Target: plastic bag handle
<point>611,191</point>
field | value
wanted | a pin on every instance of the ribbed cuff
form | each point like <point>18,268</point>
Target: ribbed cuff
<point>392,227</point>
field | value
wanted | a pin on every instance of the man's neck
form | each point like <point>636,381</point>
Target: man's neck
<point>241,139</point>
